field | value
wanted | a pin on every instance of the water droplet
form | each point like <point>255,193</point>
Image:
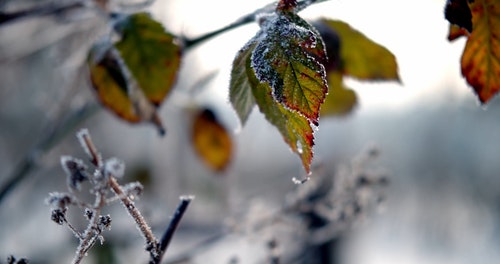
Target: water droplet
<point>299,147</point>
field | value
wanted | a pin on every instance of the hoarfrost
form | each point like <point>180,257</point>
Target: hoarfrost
<point>114,167</point>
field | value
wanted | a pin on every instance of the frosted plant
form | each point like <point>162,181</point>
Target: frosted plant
<point>106,190</point>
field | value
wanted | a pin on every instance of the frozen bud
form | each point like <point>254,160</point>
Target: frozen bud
<point>59,200</point>
<point>88,213</point>
<point>104,222</point>
<point>114,167</point>
<point>133,189</point>
<point>76,171</point>
<point>58,216</point>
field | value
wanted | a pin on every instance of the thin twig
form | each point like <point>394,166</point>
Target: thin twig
<point>88,239</point>
<point>133,211</point>
<point>174,223</point>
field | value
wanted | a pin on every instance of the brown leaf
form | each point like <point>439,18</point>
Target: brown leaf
<point>211,141</point>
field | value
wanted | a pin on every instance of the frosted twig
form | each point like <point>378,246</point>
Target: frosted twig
<point>133,211</point>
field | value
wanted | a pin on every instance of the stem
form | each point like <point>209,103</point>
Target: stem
<point>134,212</point>
<point>89,239</point>
<point>174,223</point>
<point>190,43</point>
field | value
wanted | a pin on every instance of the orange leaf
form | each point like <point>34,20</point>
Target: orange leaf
<point>456,31</point>
<point>211,141</point>
<point>481,56</point>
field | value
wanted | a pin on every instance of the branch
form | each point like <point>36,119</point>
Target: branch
<point>251,17</point>
<point>174,223</point>
<point>52,138</point>
<point>134,212</point>
<point>39,11</point>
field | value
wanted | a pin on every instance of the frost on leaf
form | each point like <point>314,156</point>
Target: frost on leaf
<point>294,127</point>
<point>282,70</point>
<point>289,57</point>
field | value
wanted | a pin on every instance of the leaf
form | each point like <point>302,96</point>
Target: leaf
<point>133,76</point>
<point>294,127</point>
<point>111,86</point>
<point>455,32</point>
<point>151,54</point>
<point>458,13</point>
<point>240,92</point>
<point>211,141</point>
<point>481,56</point>
<point>289,57</point>
<point>340,100</point>
<point>361,57</point>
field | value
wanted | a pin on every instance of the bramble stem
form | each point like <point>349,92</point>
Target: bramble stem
<point>133,211</point>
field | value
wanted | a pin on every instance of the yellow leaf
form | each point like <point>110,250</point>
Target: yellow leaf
<point>340,100</point>
<point>361,57</point>
<point>481,56</point>
<point>211,141</point>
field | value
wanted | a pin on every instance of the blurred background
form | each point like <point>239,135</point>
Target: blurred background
<point>435,143</point>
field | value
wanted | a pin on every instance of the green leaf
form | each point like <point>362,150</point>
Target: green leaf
<point>294,127</point>
<point>240,92</point>
<point>361,57</point>
<point>133,76</point>
<point>151,54</point>
<point>289,57</point>
<point>340,100</point>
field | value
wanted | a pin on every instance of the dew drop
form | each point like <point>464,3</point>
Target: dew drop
<point>299,147</point>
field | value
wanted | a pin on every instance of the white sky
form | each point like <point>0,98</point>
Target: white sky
<point>415,31</point>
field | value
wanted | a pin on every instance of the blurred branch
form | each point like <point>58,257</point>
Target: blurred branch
<point>52,138</point>
<point>39,11</point>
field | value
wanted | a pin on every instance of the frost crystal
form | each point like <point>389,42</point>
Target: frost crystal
<point>133,189</point>
<point>114,167</point>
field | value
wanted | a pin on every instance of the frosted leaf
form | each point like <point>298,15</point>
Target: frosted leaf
<point>76,171</point>
<point>114,167</point>
<point>289,57</point>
